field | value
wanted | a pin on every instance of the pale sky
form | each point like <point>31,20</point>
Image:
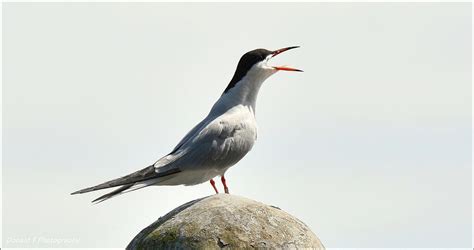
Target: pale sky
<point>370,146</point>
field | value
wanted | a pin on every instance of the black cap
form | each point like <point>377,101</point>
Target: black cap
<point>246,62</point>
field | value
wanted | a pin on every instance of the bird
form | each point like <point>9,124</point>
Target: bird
<point>216,143</point>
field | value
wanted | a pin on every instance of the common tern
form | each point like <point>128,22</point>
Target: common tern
<point>215,144</point>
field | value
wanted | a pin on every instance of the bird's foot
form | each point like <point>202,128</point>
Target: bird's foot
<point>226,189</point>
<point>213,183</point>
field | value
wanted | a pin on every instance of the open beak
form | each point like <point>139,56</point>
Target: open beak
<point>285,68</point>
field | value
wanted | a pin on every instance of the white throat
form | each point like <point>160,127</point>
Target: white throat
<point>245,92</point>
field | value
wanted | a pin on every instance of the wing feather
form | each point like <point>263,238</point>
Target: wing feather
<point>145,174</point>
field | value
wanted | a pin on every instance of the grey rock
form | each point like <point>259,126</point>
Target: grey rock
<point>226,221</point>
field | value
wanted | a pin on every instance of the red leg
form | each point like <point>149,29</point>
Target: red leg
<point>226,189</point>
<point>214,185</point>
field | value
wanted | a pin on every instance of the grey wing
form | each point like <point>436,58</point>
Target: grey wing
<point>194,148</point>
<point>191,134</point>
<point>168,163</point>
<point>209,145</point>
<point>216,144</point>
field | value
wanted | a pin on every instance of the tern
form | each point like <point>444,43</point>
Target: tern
<point>215,144</point>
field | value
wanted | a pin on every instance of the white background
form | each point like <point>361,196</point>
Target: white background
<point>370,146</point>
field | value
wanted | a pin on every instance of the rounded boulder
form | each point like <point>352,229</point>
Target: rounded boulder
<point>226,221</point>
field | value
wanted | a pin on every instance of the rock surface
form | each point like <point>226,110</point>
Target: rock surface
<point>226,221</point>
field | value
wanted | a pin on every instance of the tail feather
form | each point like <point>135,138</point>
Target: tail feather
<point>145,174</point>
<point>125,180</point>
<point>125,189</point>
<point>112,194</point>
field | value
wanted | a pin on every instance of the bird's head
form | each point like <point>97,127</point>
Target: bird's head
<point>255,64</point>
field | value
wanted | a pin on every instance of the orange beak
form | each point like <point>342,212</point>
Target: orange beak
<point>285,68</point>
